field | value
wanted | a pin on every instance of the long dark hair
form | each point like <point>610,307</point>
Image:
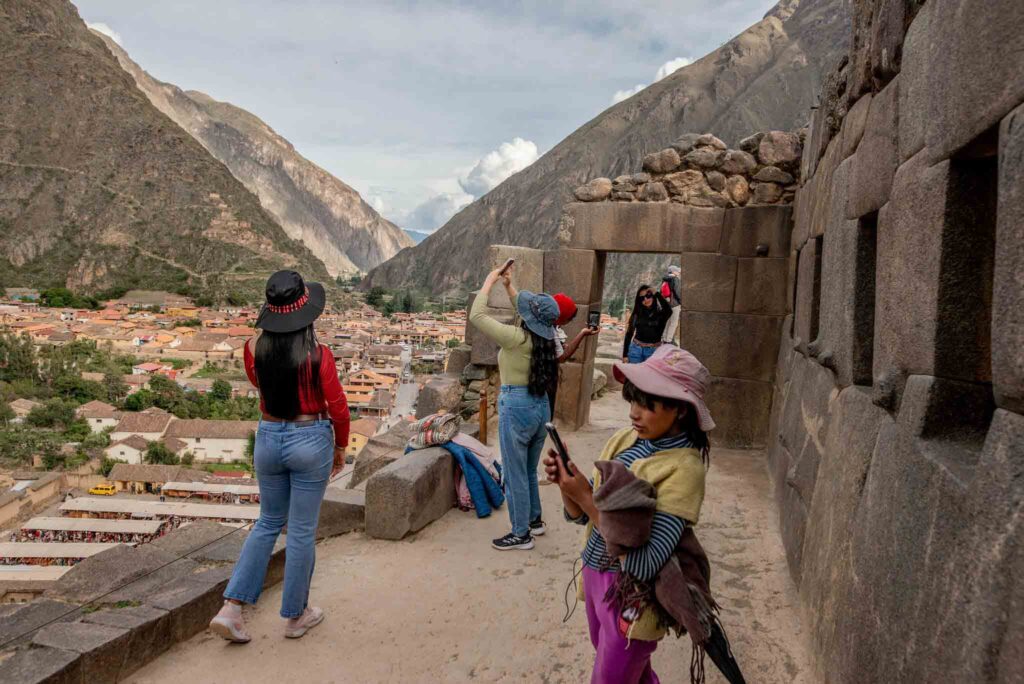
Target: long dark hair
<point>284,362</point>
<point>638,303</point>
<point>689,422</point>
<point>543,364</point>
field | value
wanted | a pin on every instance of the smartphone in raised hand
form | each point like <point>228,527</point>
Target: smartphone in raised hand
<point>563,453</point>
<point>594,320</point>
<point>508,265</point>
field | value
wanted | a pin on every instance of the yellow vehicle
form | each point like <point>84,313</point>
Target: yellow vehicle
<point>104,489</point>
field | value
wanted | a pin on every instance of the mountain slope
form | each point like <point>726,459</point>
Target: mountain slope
<point>765,78</point>
<point>417,236</point>
<point>311,205</point>
<point>100,190</point>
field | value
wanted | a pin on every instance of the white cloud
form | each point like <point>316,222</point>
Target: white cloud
<point>497,165</point>
<point>378,203</point>
<point>100,27</point>
<point>621,95</point>
<point>664,70</point>
<point>430,215</point>
<point>671,66</point>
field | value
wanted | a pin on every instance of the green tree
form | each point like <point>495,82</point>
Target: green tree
<point>157,453</point>
<point>188,458</point>
<point>107,464</point>
<point>114,387</point>
<point>77,431</point>
<point>221,390</point>
<point>250,446</point>
<point>140,401</point>
<point>18,358</point>
<point>54,412</point>
<point>453,343</point>
<point>169,395</point>
<point>6,413</point>
<point>375,296</point>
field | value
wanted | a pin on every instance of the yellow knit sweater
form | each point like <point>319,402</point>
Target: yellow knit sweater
<point>678,478</point>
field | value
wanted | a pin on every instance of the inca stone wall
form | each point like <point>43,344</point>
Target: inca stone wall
<point>897,447</point>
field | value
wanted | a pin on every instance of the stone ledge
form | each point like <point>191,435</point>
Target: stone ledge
<point>342,511</point>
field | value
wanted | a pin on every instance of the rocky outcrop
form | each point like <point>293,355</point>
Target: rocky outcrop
<point>312,206</point>
<point>99,189</point>
<point>698,177</point>
<point>768,77</point>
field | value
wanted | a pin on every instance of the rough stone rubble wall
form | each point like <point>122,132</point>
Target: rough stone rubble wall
<point>897,447</point>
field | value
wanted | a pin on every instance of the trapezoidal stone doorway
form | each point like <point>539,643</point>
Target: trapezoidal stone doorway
<point>735,290</point>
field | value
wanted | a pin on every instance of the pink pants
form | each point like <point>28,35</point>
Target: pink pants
<point>616,661</point>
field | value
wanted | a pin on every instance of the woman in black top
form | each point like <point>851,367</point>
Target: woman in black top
<point>651,312</point>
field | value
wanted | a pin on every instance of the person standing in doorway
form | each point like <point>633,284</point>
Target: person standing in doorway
<point>647,321</point>
<point>670,291</point>
<point>528,366</point>
<point>300,444</point>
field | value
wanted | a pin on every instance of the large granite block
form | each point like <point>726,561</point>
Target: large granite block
<point>442,393</point>
<point>877,156</point>
<point>575,386</point>
<point>527,273</point>
<point>42,664</point>
<point>741,410</point>
<point>852,130</point>
<point>976,61</point>
<point>410,493</point>
<point>935,261</point>
<point>707,282</point>
<point>761,286</point>
<point>640,226</point>
<point>802,204</point>
<point>191,604</point>
<point>458,359</point>
<point>915,84</point>
<point>342,511</point>
<point>484,351</point>
<point>807,295</point>
<point>578,273</point>
<point>19,621</point>
<point>102,649</point>
<point>892,17</point>
<point>847,313</point>
<point>745,229</point>
<point>947,410</point>
<point>827,579</point>
<point>149,633</point>
<point>120,566</point>
<point>733,345</point>
<point>1008,285</point>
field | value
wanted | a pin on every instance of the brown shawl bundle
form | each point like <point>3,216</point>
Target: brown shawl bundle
<point>681,591</point>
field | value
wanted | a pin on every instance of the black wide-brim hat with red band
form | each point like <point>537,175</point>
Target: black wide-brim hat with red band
<point>292,304</point>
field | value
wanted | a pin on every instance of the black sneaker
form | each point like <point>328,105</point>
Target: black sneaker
<point>511,542</point>
<point>537,528</point>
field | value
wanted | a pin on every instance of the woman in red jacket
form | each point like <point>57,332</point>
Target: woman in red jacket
<point>300,444</point>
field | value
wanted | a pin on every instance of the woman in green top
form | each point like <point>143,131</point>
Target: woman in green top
<point>529,368</point>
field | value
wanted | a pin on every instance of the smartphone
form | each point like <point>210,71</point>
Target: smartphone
<point>559,445</point>
<point>508,265</point>
<point>594,320</point>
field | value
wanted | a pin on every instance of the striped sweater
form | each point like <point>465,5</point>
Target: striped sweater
<point>643,562</point>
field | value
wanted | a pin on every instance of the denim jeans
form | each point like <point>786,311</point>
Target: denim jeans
<point>293,465</point>
<point>521,434</point>
<point>638,354</point>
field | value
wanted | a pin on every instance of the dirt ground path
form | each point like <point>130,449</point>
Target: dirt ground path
<point>442,606</point>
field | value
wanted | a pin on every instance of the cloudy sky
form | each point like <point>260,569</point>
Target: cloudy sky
<point>421,106</point>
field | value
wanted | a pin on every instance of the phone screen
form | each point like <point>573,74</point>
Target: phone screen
<point>594,319</point>
<point>508,265</point>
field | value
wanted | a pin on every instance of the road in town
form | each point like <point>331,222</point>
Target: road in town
<point>406,398</point>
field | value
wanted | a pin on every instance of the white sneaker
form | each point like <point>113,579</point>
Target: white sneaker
<point>297,627</point>
<point>228,624</point>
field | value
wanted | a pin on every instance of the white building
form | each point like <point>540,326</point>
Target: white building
<point>213,441</point>
<point>99,415</point>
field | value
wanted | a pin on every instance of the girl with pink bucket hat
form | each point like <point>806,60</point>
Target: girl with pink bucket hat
<point>667,446</point>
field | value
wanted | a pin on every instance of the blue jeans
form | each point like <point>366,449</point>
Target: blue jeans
<point>293,465</point>
<point>521,434</point>
<point>638,354</point>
